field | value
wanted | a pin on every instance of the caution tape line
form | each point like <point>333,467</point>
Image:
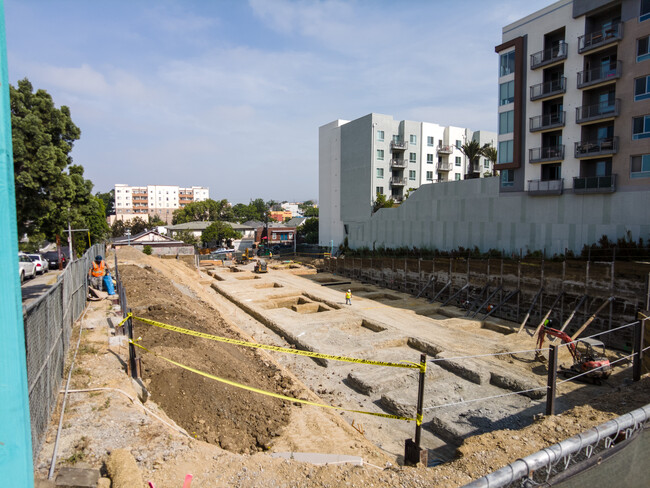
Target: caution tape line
<point>404,364</point>
<point>128,316</point>
<point>418,419</point>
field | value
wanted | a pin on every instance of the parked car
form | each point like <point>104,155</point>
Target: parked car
<point>52,258</point>
<point>26,267</point>
<point>42,266</point>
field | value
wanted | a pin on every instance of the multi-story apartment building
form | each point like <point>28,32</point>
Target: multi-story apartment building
<point>144,201</point>
<point>376,154</point>
<point>574,99</point>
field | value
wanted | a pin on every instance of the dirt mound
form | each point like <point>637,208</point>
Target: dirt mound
<point>235,419</point>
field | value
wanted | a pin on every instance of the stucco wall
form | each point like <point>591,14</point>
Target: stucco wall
<point>471,213</point>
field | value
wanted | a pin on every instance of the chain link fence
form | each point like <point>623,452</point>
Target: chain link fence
<point>48,325</point>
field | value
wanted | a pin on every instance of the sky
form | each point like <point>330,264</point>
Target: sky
<point>229,94</point>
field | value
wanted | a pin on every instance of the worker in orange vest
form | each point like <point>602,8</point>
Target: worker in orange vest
<point>97,271</point>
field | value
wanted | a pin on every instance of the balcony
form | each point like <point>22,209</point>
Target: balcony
<point>549,56</point>
<point>548,89</point>
<point>547,121</point>
<point>545,187</point>
<point>445,149</point>
<point>398,163</point>
<point>599,75</point>
<point>398,145</point>
<point>595,184</point>
<point>395,181</point>
<point>597,112</point>
<point>600,38</point>
<point>444,167</point>
<point>546,154</point>
<point>600,147</point>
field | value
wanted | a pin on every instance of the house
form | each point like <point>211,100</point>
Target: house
<point>160,244</point>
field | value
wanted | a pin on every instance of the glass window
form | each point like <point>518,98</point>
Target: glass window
<point>458,144</point>
<point>507,93</point>
<point>507,63</point>
<point>440,159</point>
<point>429,175</point>
<point>457,160</point>
<point>507,122</point>
<point>429,158</point>
<point>380,172</point>
<point>507,177</point>
<point>642,49</point>
<point>412,175</point>
<point>412,157</point>
<point>413,139</point>
<point>380,190</point>
<point>640,166</point>
<point>380,135</point>
<point>430,141</point>
<point>641,127</point>
<point>397,139</point>
<point>644,14</point>
<point>380,154</point>
<point>486,163</point>
<point>642,88</point>
<point>505,151</point>
<point>457,177</point>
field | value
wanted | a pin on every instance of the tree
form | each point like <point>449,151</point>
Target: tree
<point>138,225</point>
<point>218,232</point>
<point>473,151</point>
<point>156,221</point>
<point>490,152</point>
<point>206,210</point>
<point>382,202</point>
<point>118,228</point>
<point>309,231</point>
<point>310,212</point>
<point>187,237</point>
<point>109,201</point>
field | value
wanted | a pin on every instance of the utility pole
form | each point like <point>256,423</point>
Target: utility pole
<point>70,238</point>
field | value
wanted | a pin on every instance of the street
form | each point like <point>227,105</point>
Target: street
<point>32,289</point>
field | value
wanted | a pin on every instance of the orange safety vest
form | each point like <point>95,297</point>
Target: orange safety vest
<point>98,269</point>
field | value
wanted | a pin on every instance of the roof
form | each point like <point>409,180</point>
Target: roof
<point>204,224</point>
<point>255,224</point>
<point>147,236</point>
<point>295,222</point>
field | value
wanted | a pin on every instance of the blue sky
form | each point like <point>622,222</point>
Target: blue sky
<point>230,94</point>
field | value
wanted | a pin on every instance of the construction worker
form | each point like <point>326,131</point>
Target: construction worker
<point>348,297</point>
<point>97,271</point>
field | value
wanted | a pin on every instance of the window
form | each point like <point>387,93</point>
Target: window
<point>507,63</point>
<point>507,122</point>
<point>457,177</point>
<point>644,14</point>
<point>507,93</point>
<point>486,163</point>
<point>397,139</point>
<point>380,135</point>
<point>380,172</point>
<point>507,177</point>
<point>439,159</point>
<point>505,151</point>
<point>642,88</point>
<point>412,157</point>
<point>430,141</point>
<point>380,154</point>
<point>642,49</point>
<point>380,190</point>
<point>429,175</point>
<point>640,166</point>
<point>413,139</point>
<point>429,158</point>
<point>412,175</point>
<point>457,160</point>
<point>641,127</point>
<point>458,144</point>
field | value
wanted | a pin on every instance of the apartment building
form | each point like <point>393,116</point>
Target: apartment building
<point>574,99</point>
<point>376,154</point>
<point>161,200</point>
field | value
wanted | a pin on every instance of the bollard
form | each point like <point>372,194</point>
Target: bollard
<point>552,379</point>
<point>413,453</point>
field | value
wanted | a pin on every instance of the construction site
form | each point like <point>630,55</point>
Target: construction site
<point>433,373</point>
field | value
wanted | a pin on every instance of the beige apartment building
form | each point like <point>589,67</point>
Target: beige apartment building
<point>574,99</point>
<point>150,200</point>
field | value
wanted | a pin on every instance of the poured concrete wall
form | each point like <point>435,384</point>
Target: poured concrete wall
<point>472,213</point>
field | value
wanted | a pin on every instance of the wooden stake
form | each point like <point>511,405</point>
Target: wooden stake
<point>590,319</point>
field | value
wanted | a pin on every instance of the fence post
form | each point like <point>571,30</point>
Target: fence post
<point>133,361</point>
<point>552,379</point>
<point>413,453</point>
<point>637,359</point>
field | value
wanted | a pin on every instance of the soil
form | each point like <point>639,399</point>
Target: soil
<point>226,435</point>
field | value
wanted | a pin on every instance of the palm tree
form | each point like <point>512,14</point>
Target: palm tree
<point>490,152</point>
<point>473,151</point>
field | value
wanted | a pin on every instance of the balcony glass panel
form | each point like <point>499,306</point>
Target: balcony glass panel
<point>545,187</point>
<point>595,184</point>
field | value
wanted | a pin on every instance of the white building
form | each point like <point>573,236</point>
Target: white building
<point>144,201</point>
<point>376,154</point>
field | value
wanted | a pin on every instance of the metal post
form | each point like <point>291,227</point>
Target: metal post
<point>552,378</point>
<point>637,359</point>
<point>413,453</point>
<point>133,366</point>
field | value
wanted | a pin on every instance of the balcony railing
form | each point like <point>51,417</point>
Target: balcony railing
<point>398,163</point>
<point>549,55</point>
<point>399,145</point>
<point>398,181</point>
<point>601,37</point>
<point>548,89</point>
<point>599,111</point>
<point>600,147</point>
<point>445,167</point>
<point>546,154</point>
<point>545,187</point>
<point>446,149</point>
<point>595,184</point>
<point>547,121</point>
<point>598,75</point>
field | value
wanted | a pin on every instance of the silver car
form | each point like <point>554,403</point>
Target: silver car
<point>26,267</point>
<point>42,265</point>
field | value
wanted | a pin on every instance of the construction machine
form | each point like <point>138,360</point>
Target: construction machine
<point>245,257</point>
<point>261,267</point>
<point>586,355</point>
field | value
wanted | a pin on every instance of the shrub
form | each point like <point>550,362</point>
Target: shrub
<point>147,250</point>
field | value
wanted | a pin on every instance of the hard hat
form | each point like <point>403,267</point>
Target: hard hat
<point>98,258</point>
<point>349,290</point>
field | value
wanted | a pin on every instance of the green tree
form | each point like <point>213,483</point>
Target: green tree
<point>217,233</point>
<point>137,225</point>
<point>109,201</point>
<point>490,152</point>
<point>118,228</point>
<point>309,231</point>
<point>206,210</point>
<point>187,237</point>
<point>473,151</point>
<point>310,212</point>
<point>382,202</point>
<point>156,221</point>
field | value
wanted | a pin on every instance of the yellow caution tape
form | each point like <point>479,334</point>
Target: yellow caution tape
<point>403,364</point>
<point>128,316</point>
<point>418,420</point>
